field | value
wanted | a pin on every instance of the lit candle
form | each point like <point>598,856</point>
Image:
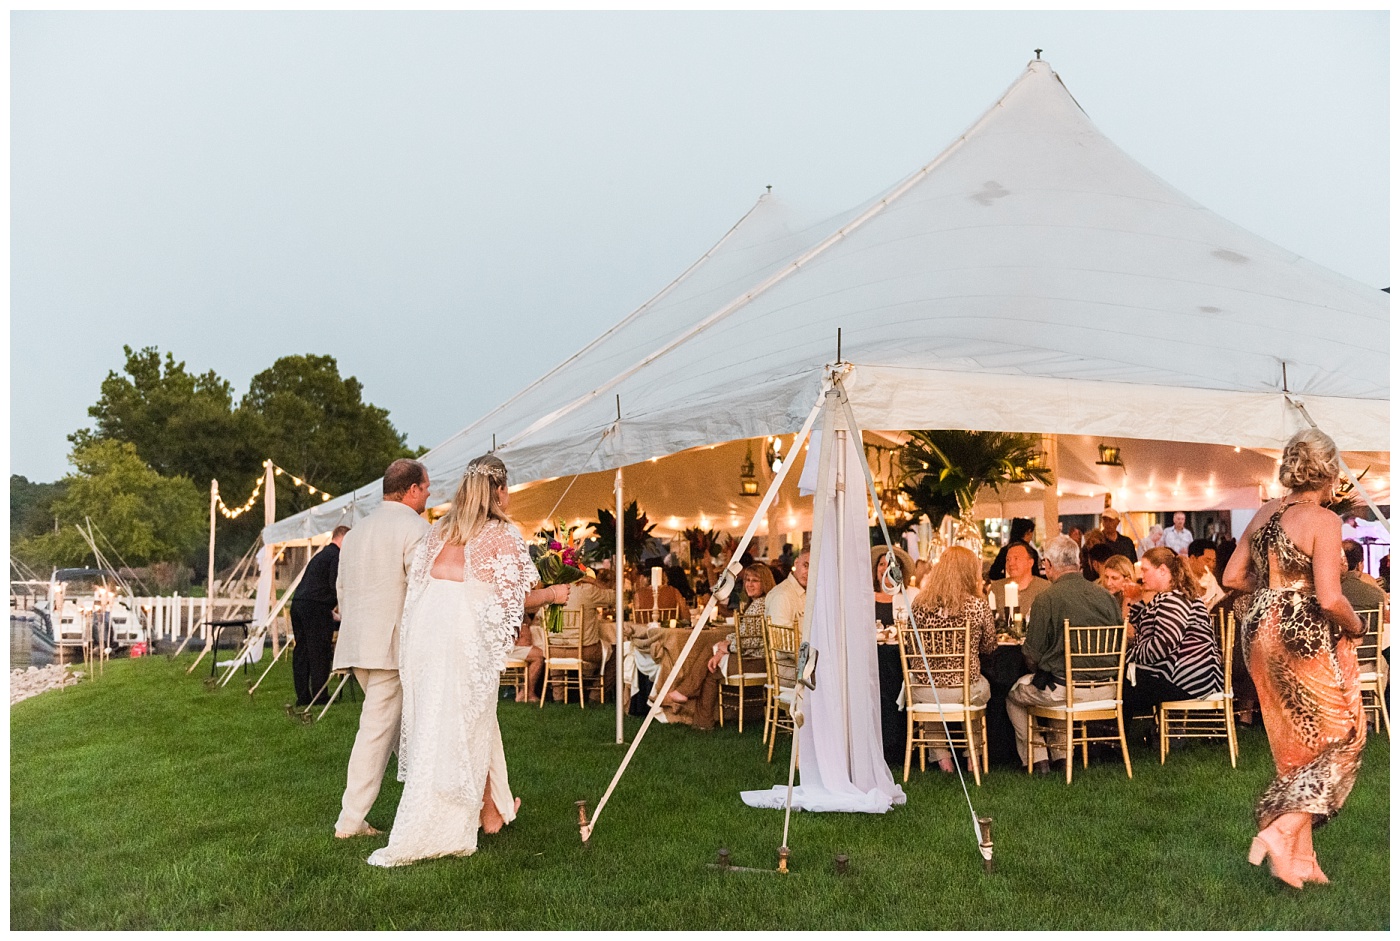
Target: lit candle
<point>1013,594</point>
<point>991,599</point>
<point>656,578</point>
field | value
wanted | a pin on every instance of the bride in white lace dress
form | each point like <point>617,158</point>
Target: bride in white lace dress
<point>467,593</point>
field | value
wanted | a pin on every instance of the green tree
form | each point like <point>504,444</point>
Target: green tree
<point>31,506</point>
<point>315,424</point>
<point>181,424</point>
<point>146,516</point>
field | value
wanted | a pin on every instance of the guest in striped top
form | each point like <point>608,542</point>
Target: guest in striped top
<point>1174,648</point>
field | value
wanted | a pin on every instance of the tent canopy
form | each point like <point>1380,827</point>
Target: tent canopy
<point>1032,276</point>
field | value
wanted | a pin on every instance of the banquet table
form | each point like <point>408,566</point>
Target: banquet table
<point>669,648</point>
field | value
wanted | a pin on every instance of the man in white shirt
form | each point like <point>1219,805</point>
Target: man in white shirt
<point>1178,538</point>
<point>785,603</point>
<point>1200,558</point>
<point>371,584</point>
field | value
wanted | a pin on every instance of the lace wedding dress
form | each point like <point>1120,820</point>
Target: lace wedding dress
<point>453,642</point>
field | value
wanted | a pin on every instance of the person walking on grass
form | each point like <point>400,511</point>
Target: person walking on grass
<point>370,585</point>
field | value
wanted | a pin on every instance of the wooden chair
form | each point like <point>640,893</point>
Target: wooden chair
<point>751,628</point>
<point>514,675</point>
<point>1093,657</point>
<point>1210,717</point>
<point>780,643</point>
<point>564,654</point>
<point>1372,670</point>
<point>662,616</point>
<point>948,651</point>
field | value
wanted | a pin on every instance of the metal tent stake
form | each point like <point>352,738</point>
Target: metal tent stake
<point>984,826</point>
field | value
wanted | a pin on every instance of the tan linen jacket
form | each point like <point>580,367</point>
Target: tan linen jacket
<point>371,584</point>
<point>785,602</point>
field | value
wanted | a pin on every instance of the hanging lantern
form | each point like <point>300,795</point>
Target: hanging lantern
<point>748,481</point>
<point>1108,456</point>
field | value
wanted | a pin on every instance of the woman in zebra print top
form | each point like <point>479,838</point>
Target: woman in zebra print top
<point>1174,650</point>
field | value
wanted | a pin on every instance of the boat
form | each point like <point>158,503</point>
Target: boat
<point>86,603</point>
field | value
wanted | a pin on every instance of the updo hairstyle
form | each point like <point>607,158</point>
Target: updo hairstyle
<point>1309,461</point>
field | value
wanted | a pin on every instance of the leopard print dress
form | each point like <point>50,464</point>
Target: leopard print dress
<point>1306,676</point>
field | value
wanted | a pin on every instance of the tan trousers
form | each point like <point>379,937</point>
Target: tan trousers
<point>978,695</point>
<point>377,737</point>
<point>1023,694</point>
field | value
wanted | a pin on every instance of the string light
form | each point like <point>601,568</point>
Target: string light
<point>257,491</point>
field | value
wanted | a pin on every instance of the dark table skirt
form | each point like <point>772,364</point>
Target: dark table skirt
<point>1001,669</point>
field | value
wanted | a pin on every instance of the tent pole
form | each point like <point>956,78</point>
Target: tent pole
<point>841,658</point>
<point>270,517</point>
<point>618,610</point>
<point>213,507</point>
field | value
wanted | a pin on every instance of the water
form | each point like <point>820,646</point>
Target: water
<point>24,652</point>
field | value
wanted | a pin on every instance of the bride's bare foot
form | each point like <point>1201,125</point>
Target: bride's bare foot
<point>491,819</point>
<point>677,696</point>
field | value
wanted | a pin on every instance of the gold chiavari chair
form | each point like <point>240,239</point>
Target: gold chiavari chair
<point>948,652</point>
<point>1210,717</point>
<point>564,654</point>
<point>1372,670</point>
<point>750,628</point>
<point>1093,691</point>
<point>780,643</point>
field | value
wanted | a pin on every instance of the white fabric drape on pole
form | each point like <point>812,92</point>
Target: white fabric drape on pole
<point>840,771</point>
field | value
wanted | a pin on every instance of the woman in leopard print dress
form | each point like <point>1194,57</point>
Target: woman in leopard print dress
<point>1299,643</point>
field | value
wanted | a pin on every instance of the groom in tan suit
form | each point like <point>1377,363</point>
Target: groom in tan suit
<point>371,584</point>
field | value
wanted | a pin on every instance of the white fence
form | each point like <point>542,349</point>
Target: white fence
<point>173,618</point>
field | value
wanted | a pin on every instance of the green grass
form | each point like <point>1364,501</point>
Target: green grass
<point>141,800</point>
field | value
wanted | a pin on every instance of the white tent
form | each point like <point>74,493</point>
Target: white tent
<point>1032,276</point>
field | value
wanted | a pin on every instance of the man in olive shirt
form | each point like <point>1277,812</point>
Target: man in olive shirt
<point>1071,597</point>
<point>1357,586</point>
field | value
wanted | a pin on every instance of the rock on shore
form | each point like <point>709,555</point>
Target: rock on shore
<point>36,680</point>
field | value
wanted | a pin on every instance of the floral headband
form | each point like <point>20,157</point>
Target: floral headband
<point>496,474</point>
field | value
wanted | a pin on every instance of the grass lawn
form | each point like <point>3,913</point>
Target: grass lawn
<point>141,800</point>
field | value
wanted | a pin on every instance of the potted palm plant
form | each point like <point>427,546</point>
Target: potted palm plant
<point>944,469</point>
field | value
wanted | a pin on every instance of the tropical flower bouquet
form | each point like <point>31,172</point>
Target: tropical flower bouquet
<point>559,562</point>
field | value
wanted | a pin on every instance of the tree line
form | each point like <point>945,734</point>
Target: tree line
<point>160,433</point>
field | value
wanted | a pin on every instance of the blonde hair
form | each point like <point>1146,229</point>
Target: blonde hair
<point>1309,460</point>
<point>477,500</point>
<point>1119,564</point>
<point>956,578</point>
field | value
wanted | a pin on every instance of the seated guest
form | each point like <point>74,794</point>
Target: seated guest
<point>1022,532</point>
<point>1383,574</point>
<point>879,564</point>
<point>1175,653</point>
<point>1153,540</point>
<point>586,596</point>
<point>1092,538</point>
<point>1097,556</point>
<point>1020,571</point>
<point>534,662</point>
<point>1200,559</point>
<point>785,603</point>
<point>676,578</point>
<point>1116,576</point>
<point>1358,587</point>
<point>1070,596</point>
<point>953,598</point>
<point>921,572</point>
<point>644,599</point>
<point>757,581</point>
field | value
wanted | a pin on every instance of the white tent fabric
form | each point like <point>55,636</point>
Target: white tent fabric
<point>840,772</point>
<point>1032,276</point>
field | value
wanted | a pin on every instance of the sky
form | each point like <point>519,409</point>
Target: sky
<point>452,203</point>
